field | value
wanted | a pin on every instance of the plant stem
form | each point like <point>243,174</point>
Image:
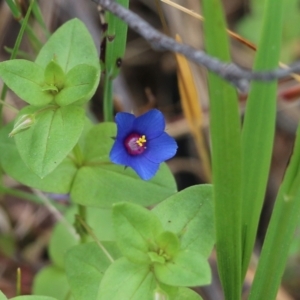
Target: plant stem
<point>91,233</point>
<point>27,196</point>
<point>24,22</point>
<point>18,288</point>
<point>82,214</point>
<point>9,106</point>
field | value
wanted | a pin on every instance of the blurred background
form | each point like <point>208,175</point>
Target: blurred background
<point>149,79</point>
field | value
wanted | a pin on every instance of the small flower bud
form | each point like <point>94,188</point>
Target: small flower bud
<point>24,122</point>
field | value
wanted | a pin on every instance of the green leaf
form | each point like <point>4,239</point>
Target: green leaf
<point>186,294</point>
<point>95,182</point>
<point>85,266</point>
<point>168,242</point>
<point>280,233</point>
<point>34,298</point>
<point>126,280</point>
<point>155,257</point>
<point>54,75</point>
<point>51,281</point>
<point>2,296</point>
<point>79,85</point>
<point>26,79</point>
<point>59,181</point>
<point>259,128</point>
<point>96,186</point>
<point>136,229</point>
<point>64,236</point>
<point>47,142</point>
<point>225,125</point>
<point>99,152</point>
<point>187,268</point>
<point>189,214</point>
<point>69,51</point>
<point>70,45</point>
<point>100,221</point>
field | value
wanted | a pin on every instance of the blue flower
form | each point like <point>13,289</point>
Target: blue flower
<point>142,142</point>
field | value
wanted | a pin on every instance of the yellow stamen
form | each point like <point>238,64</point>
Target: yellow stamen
<point>141,141</point>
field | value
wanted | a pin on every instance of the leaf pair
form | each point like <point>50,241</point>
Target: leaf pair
<point>181,227</point>
<point>93,183</point>
<point>163,250</point>
<point>64,76</point>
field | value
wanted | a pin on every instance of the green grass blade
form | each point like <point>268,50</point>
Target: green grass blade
<point>116,36</point>
<point>39,17</point>
<point>14,9</point>
<point>226,155</point>
<point>284,220</point>
<point>259,128</point>
<point>15,50</point>
<point>116,42</point>
<point>36,43</point>
<point>108,100</point>
<point>29,197</point>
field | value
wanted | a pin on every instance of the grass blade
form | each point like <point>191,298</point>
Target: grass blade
<point>259,128</point>
<point>226,155</point>
<point>115,44</point>
<point>284,220</point>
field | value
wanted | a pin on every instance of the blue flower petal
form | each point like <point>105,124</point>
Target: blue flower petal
<point>161,148</point>
<point>145,168</point>
<point>124,124</point>
<point>141,165</point>
<point>119,155</point>
<point>151,124</point>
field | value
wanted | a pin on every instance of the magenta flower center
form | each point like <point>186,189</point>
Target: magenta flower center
<point>135,144</point>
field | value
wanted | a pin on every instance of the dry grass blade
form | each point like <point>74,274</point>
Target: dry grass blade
<point>231,33</point>
<point>192,110</point>
<point>199,17</point>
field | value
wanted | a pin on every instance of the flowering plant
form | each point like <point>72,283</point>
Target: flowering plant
<point>53,147</point>
<point>127,233</point>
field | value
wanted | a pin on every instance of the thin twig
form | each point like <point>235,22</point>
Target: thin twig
<point>56,213</point>
<point>231,72</point>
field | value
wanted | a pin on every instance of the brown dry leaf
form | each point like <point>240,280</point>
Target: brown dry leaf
<point>191,109</point>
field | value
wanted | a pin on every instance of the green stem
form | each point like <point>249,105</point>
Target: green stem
<point>26,196</point>
<point>24,22</point>
<point>21,54</point>
<point>108,100</point>
<point>18,16</point>
<point>82,214</point>
<point>39,17</point>
<point>91,233</point>
<point>9,106</point>
<point>14,9</point>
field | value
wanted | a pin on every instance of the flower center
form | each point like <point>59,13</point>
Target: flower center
<point>135,144</point>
